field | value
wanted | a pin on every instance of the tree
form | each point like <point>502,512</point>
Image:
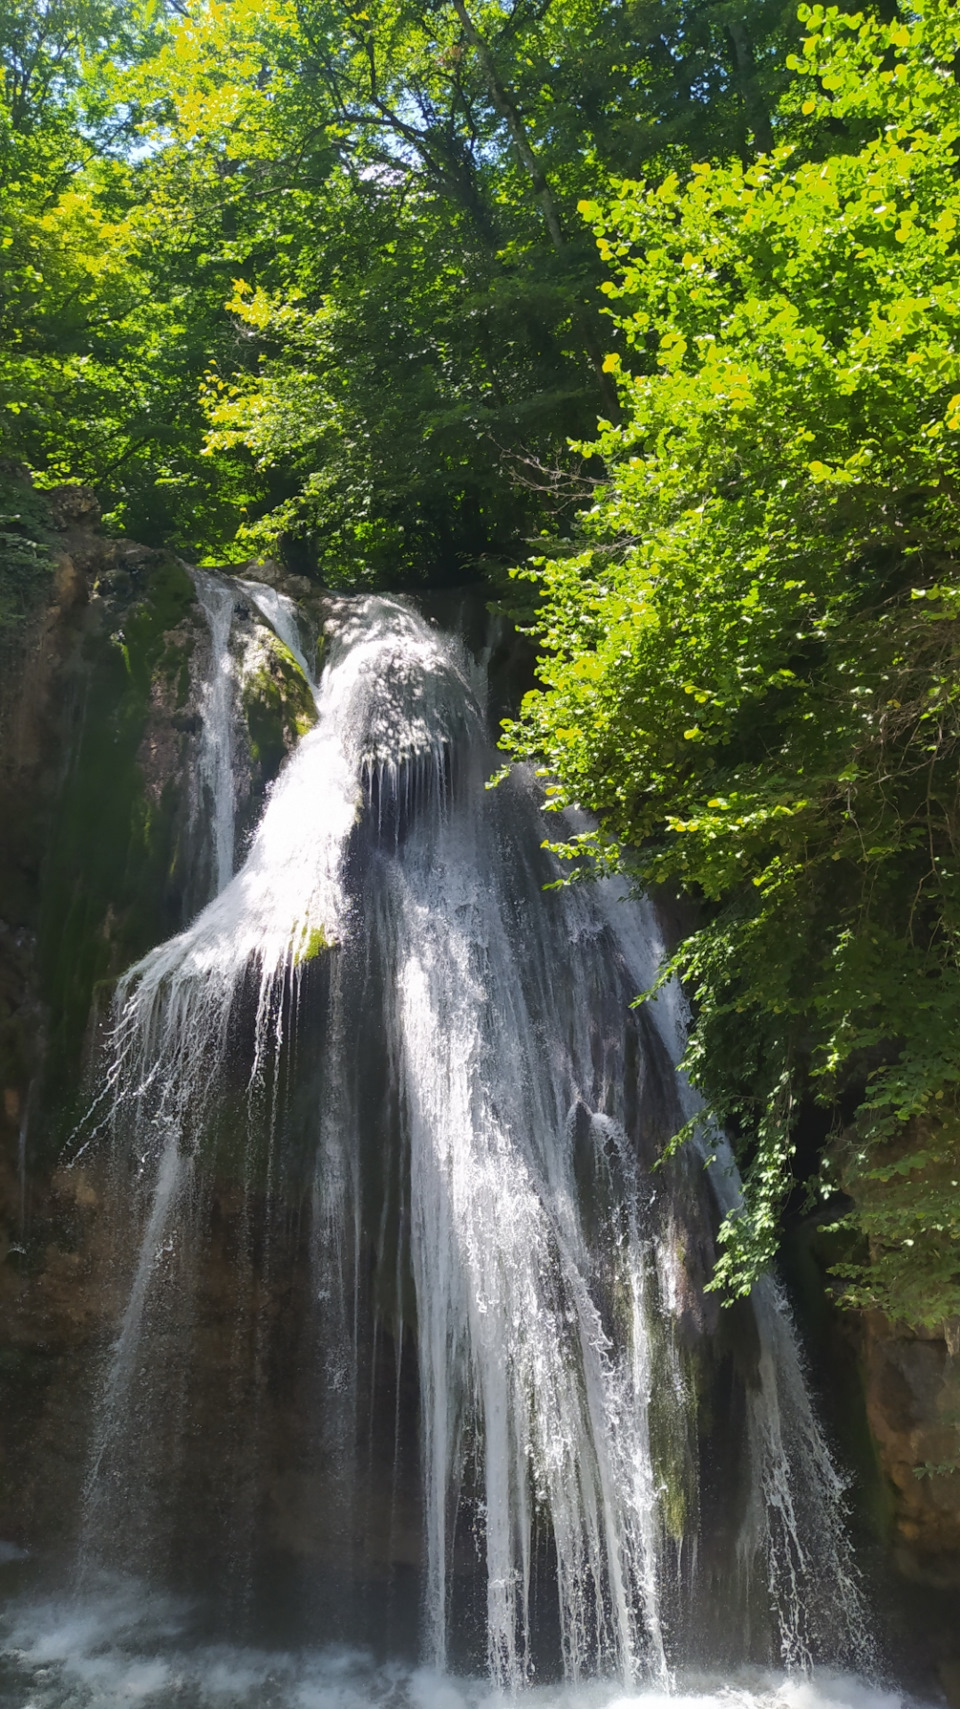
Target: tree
<point>398,182</point>
<point>749,666</point>
<point>444,319</point>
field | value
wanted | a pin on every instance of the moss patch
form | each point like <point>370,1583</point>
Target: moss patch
<point>672,1437</point>
<point>309,945</point>
<point>277,704</point>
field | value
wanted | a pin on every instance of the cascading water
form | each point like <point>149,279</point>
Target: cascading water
<point>215,770</point>
<point>281,613</point>
<point>791,1521</point>
<point>384,1024</point>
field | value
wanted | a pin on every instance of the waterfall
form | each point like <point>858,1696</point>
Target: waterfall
<point>526,1346</point>
<point>386,1023</point>
<point>217,601</point>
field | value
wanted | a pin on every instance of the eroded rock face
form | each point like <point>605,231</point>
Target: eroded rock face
<point>74,507</point>
<point>913,1406</point>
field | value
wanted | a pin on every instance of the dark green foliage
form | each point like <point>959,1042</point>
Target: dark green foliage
<point>395,193</point>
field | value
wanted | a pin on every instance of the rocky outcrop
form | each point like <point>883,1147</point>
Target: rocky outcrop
<point>99,740</point>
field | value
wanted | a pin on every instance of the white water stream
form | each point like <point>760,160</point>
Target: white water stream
<point>549,1265</point>
<point>218,601</point>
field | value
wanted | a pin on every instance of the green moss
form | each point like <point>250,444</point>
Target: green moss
<point>26,565</point>
<point>169,597</point>
<point>672,1442</point>
<point>183,677</point>
<point>310,945</point>
<point>278,706</point>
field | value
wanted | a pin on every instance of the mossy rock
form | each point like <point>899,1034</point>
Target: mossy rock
<point>310,945</point>
<point>673,1443</point>
<point>277,709</point>
<point>277,703</point>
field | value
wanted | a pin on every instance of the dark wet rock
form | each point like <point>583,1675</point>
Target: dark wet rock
<point>912,1381</point>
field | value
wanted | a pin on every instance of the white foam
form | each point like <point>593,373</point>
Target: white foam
<point>128,1647</point>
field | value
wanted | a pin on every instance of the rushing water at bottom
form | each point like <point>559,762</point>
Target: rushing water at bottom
<point>125,1646</point>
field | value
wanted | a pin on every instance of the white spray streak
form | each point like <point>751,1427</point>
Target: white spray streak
<point>215,767</point>
<point>281,614</point>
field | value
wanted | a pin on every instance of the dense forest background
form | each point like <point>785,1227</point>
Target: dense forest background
<point>354,285</point>
<point>316,273</point>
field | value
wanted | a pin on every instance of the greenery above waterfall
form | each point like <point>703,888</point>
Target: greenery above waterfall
<point>315,272</point>
<point>751,657</point>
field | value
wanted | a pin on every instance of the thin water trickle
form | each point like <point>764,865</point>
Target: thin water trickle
<point>281,614</point>
<point>215,768</point>
<point>383,1023</point>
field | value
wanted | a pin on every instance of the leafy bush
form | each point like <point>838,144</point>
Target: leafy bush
<point>751,669</point>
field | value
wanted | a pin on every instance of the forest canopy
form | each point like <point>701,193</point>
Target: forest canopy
<point>312,277</point>
<point>395,291</point>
